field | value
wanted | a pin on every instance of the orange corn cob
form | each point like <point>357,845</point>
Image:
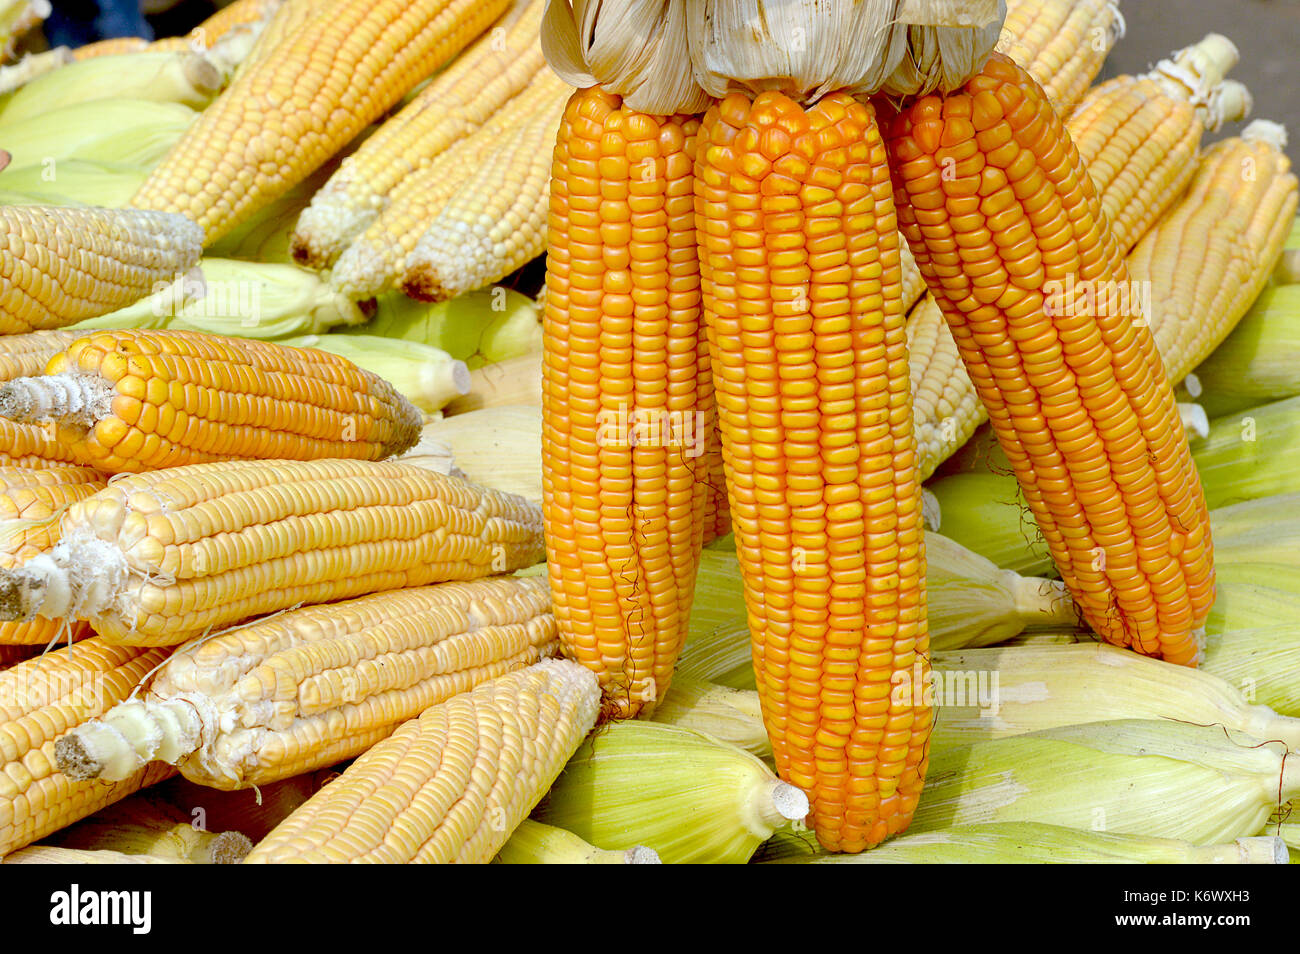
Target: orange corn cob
<point>802,281</point>
<point>625,399</point>
<point>1010,234</point>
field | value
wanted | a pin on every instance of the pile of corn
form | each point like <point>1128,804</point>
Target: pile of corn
<point>307,555</point>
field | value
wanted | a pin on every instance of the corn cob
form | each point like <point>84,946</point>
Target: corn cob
<point>497,447</point>
<point>1183,781</point>
<point>1137,137</point>
<point>22,355</point>
<point>133,131</point>
<point>996,693</point>
<point>289,112</point>
<point>241,299</point>
<point>533,843</point>
<point>168,77</point>
<point>134,400</point>
<point>345,676</point>
<point>75,182</point>
<point>16,18</point>
<point>230,17</point>
<point>52,855</point>
<point>625,402</point>
<point>60,265</point>
<point>1257,362</point>
<point>460,778</point>
<point>1240,207</point>
<point>376,259</point>
<point>515,381</point>
<point>1063,42</point>
<point>160,557</point>
<point>460,99</point>
<point>426,376</point>
<point>112,46</point>
<point>40,700</point>
<point>1019,843</point>
<point>31,66</point>
<point>1110,479</point>
<point>145,824</point>
<point>276,37</point>
<point>688,796</point>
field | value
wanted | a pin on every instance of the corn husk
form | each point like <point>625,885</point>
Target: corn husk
<point>490,324</point>
<point>176,76</point>
<point>514,381</point>
<point>32,65</point>
<point>1259,361</point>
<point>1263,662</point>
<point>728,715</point>
<point>1159,778</point>
<point>427,376</point>
<point>498,447</point>
<point>536,844</point>
<point>689,797</point>
<point>971,603</point>
<point>986,513</point>
<point>1251,453</point>
<point>1015,843</point>
<point>1266,530</point>
<point>242,299</point>
<point>147,825</point>
<point>983,694</point>
<point>76,181</point>
<point>53,855</point>
<point>131,131</point>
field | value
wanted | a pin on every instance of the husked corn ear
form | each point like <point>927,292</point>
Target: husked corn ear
<point>377,258</point>
<point>1063,43</point>
<point>159,557</point>
<point>1182,781</point>
<point>30,445</point>
<point>230,17</point>
<point>455,782</point>
<point>728,715</point>
<point>1019,843</point>
<point>53,855</point>
<point>60,265</point>
<point>113,46</point>
<point>944,401</point>
<point>295,106</point>
<point>685,794</point>
<point>135,400</point>
<point>533,843</point>
<point>995,693</point>
<point>334,680</point>
<point>1259,361</point>
<point>40,700</point>
<point>455,103</point>
<point>27,354</point>
<point>1207,260</point>
<point>284,21</point>
<point>496,221</point>
<point>133,131</point>
<point>426,376</point>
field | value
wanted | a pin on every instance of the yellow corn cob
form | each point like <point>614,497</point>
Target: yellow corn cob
<point>21,356</point>
<point>456,781</point>
<point>945,403</point>
<point>276,36</point>
<point>60,265</point>
<point>625,399</point>
<point>160,557</point>
<point>232,15</point>
<point>336,680</point>
<point>39,701</point>
<point>291,110</point>
<point>111,47</point>
<point>496,221</point>
<point>135,400</point>
<point>456,102</point>
<point>1063,43</point>
<point>533,843</point>
<point>376,259</point>
<point>1209,258</point>
<point>30,504</point>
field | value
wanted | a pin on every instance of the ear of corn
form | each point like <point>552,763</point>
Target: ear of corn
<point>133,400</point>
<point>684,794</point>
<point>1077,395</point>
<point>995,693</point>
<point>53,855</point>
<point>20,356</point>
<point>1259,361</point>
<point>533,843</point>
<point>293,107</point>
<point>337,679</point>
<point>1190,782</point>
<point>427,377</point>
<point>39,701</point>
<point>465,774</point>
<point>1241,206</point>
<point>145,824</point>
<point>1020,843</point>
<point>60,265</point>
<point>132,131</point>
<point>1064,43</point>
<point>455,103</point>
<point>728,715</point>
<point>157,558</point>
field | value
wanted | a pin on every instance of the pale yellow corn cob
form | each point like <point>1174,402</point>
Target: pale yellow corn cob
<point>456,102</point>
<point>314,686</point>
<point>1208,260</point>
<point>295,106</point>
<point>40,700</point>
<point>60,265</point>
<point>158,557</point>
<point>1062,43</point>
<point>376,259</point>
<point>947,409</point>
<point>286,20</point>
<point>111,47</point>
<point>453,784</point>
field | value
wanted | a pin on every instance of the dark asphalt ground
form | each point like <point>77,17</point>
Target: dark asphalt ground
<point>1266,31</point>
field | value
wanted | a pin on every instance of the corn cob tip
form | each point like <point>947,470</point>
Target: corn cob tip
<point>66,397</point>
<point>640,855</point>
<point>1263,850</point>
<point>1229,102</point>
<point>1266,131</point>
<point>781,802</point>
<point>228,848</point>
<point>132,734</point>
<point>360,272</point>
<point>1195,420</point>
<point>75,761</point>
